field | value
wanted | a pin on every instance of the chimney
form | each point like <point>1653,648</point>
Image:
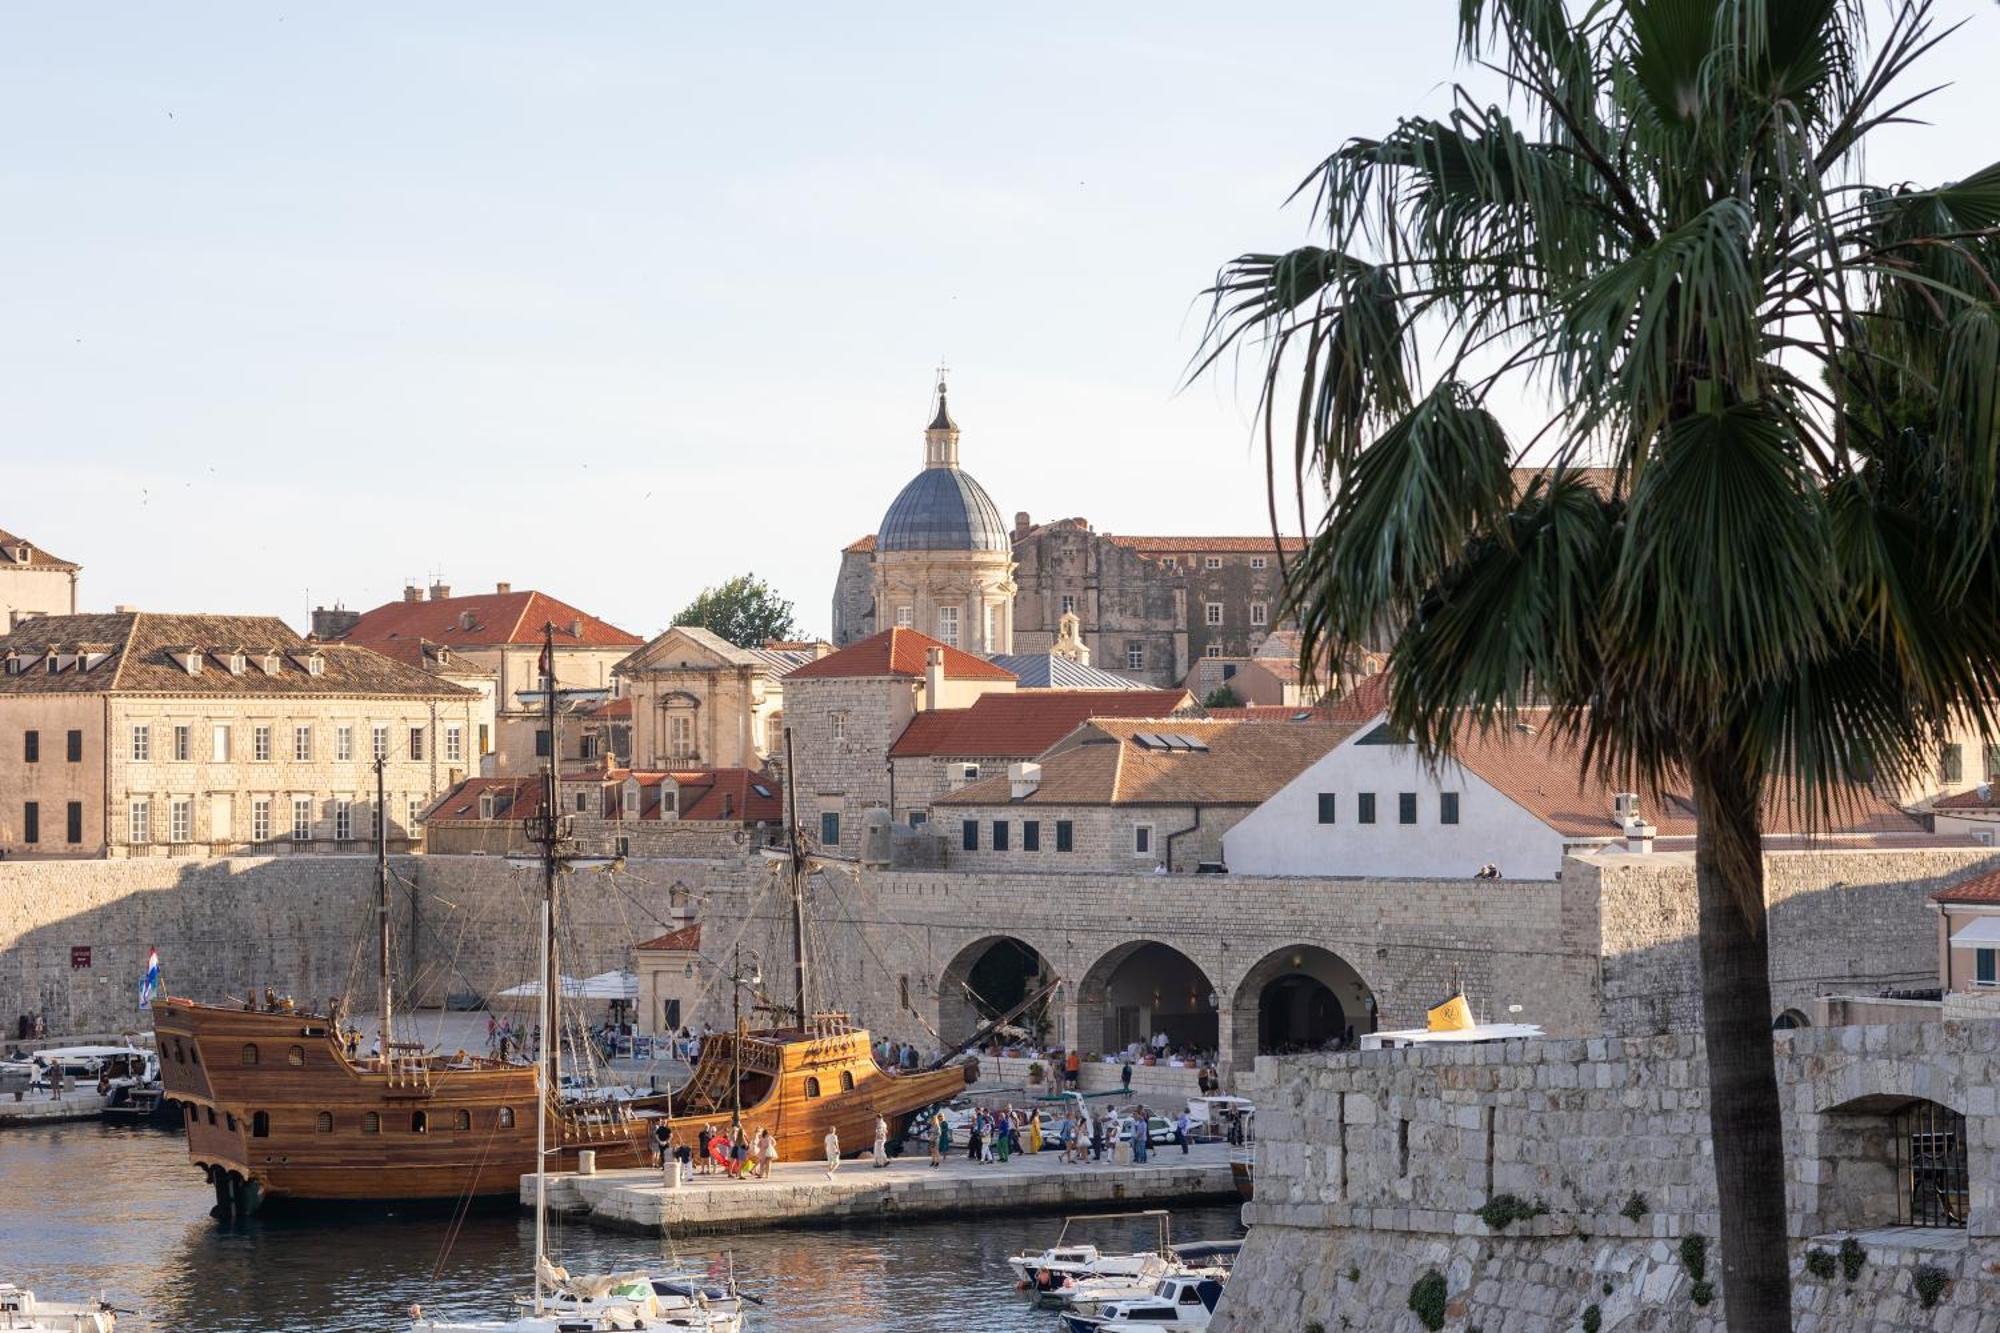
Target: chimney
<point>576,629</point>
<point>332,622</point>
<point>412,593</point>
<point>124,609</point>
<point>933,678</point>
<point>1639,836</point>
<point>503,588</point>
<point>1023,779</point>
<point>440,591</point>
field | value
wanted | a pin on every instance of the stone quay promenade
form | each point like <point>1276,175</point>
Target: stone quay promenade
<point>800,1193</point>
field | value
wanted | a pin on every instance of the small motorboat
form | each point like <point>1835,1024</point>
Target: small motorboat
<point>1089,1296</point>
<point>1062,1263</point>
<point>1203,1258</point>
<point>678,1300</point>
<point>1180,1302</point>
<point>21,1310</point>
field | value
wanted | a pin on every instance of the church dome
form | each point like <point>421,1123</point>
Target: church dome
<point>943,508</point>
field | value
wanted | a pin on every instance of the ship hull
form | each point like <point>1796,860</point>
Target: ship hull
<point>275,1110</point>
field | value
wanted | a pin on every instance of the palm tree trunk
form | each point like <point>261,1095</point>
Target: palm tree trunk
<point>1744,1116</point>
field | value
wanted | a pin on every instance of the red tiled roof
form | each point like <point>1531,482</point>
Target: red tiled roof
<point>611,709</point>
<point>1361,700</point>
<point>1273,713</point>
<point>1972,799</point>
<point>860,544</point>
<point>897,652</point>
<point>685,940</point>
<point>726,794</point>
<point>1023,724</point>
<point>1204,545</point>
<point>422,653</point>
<point>37,557</point>
<point>1981,888</point>
<point>513,799</point>
<point>496,618</point>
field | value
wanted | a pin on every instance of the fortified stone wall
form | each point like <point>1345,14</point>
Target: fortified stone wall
<point>1372,1170</point>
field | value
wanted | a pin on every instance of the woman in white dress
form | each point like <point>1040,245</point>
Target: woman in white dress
<point>832,1152</point>
<point>881,1141</point>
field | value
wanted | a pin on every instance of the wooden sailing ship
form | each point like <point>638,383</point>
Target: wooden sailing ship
<point>278,1105</point>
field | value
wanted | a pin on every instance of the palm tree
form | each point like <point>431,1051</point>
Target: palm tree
<point>1781,578</point>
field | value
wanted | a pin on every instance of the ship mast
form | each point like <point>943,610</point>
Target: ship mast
<point>799,870</point>
<point>551,832</point>
<point>382,905</point>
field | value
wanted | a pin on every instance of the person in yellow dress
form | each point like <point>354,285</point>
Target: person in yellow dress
<point>1035,1132</point>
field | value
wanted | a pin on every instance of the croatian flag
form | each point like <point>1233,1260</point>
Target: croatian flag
<point>149,985</point>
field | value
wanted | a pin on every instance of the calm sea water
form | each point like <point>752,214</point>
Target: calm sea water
<point>88,1208</point>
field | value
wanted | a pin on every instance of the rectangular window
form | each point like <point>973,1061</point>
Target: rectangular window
<point>1065,836</point>
<point>260,744</point>
<point>1213,650</point>
<point>905,617</point>
<point>302,744</point>
<point>302,818</point>
<point>1327,805</point>
<point>343,743</point>
<point>1142,840</point>
<point>414,816</point>
<point>31,747</point>
<point>343,820</point>
<point>1135,657</point>
<point>1951,764</point>
<point>142,743</point>
<point>1211,613</point>
<point>968,835</point>
<point>1992,763</point>
<point>1260,613</point>
<point>542,743</point>
<point>583,803</point>
<point>183,743</point>
<point>836,726</point>
<point>1447,807</point>
<point>829,828</point>
<point>180,819</point>
<point>1406,807</point>
<point>1211,562</point>
<point>1031,835</point>
<point>1986,967</point>
<point>416,742</point>
<point>260,819</point>
<point>218,742</point>
<point>74,746</point>
<point>485,739</point>
<point>1257,562</point>
<point>454,745</point>
<point>31,822</point>
<point>73,821</point>
<point>1000,835</point>
<point>680,735</point>
<point>948,626</point>
<point>1364,808</point>
<point>139,821</point>
<point>375,815</point>
<point>1068,604</point>
<point>379,742</point>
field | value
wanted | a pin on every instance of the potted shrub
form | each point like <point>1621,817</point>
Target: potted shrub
<point>1036,1073</point>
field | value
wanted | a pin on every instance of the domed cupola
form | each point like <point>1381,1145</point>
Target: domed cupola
<point>943,508</point>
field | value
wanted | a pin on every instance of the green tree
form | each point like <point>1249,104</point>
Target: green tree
<point>1222,696</point>
<point>744,611</point>
<point>1781,585</point>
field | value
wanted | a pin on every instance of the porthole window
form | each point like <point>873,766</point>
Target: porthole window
<point>847,1080</point>
<point>180,1056</point>
<point>812,1087</point>
<point>249,1053</point>
<point>462,1120</point>
<point>420,1122</point>
<point>296,1056</point>
<point>371,1123</point>
<point>325,1122</point>
<point>229,1121</point>
<point>260,1124</point>
<point>194,1052</point>
<point>506,1117</point>
<point>211,1115</point>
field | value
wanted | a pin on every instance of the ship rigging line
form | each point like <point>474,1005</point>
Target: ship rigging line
<point>880,961</point>
<point>463,1207</point>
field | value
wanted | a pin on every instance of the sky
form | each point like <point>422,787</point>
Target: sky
<point>618,301</point>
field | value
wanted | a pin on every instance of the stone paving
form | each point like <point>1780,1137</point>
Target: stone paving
<point>802,1193</point>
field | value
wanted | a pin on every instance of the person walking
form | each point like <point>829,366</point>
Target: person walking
<point>1034,1133</point>
<point>739,1153</point>
<point>881,1149</point>
<point>1003,1135</point>
<point>1072,1068</point>
<point>832,1151</point>
<point>1125,1076</point>
<point>661,1133</point>
<point>972,1137</point>
<point>1182,1127</point>
<point>767,1152</point>
<point>702,1140</point>
<point>938,1131</point>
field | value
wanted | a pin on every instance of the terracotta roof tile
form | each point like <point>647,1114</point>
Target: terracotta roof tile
<point>1104,763</point>
<point>898,652</point>
<point>495,619</point>
<point>733,795</point>
<point>1022,724</point>
<point>860,544</point>
<point>140,648</point>
<point>432,657</point>
<point>1981,888</point>
<point>1975,798</point>
<point>37,557</point>
<point>513,799</point>
<point>685,940</point>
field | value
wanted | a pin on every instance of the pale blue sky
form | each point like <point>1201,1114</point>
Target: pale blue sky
<point>619,300</point>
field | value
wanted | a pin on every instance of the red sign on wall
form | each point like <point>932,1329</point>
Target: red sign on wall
<point>79,955</point>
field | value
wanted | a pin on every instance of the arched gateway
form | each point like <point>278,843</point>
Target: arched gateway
<point>1299,998</point>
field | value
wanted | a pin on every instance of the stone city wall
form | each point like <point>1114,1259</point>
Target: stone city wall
<point>1372,1170</point>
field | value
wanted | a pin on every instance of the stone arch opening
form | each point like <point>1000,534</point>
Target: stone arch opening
<point>1790,1019</point>
<point>1893,1160</point>
<point>1299,998</point>
<point>987,978</point>
<point>1148,997</point>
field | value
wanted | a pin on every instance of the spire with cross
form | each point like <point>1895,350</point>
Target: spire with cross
<point>941,436</point>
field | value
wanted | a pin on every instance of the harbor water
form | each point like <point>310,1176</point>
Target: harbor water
<point>94,1208</point>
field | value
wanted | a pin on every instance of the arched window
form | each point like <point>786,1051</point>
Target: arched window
<point>420,1122</point>
<point>260,1124</point>
<point>324,1124</point>
<point>229,1121</point>
<point>847,1080</point>
<point>194,1051</point>
<point>1791,1018</point>
<point>296,1056</point>
<point>180,1056</point>
<point>211,1115</point>
<point>812,1086</point>
<point>506,1117</point>
<point>249,1052</point>
<point>371,1123</point>
<point>462,1120</point>
<point>190,1114</point>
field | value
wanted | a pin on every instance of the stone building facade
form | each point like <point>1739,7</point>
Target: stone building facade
<point>34,582</point>
<point>699,701</point>
<point>1372,1170</point>
<point>148,735</point>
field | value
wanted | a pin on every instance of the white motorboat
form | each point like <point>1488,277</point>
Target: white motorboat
<point>21,1310</point>
<point>678,1300</point>
<point>1177,1301</point>
<point>1088,1296</point>
<point>1063,1263</point>
<point>1209,1259</point>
